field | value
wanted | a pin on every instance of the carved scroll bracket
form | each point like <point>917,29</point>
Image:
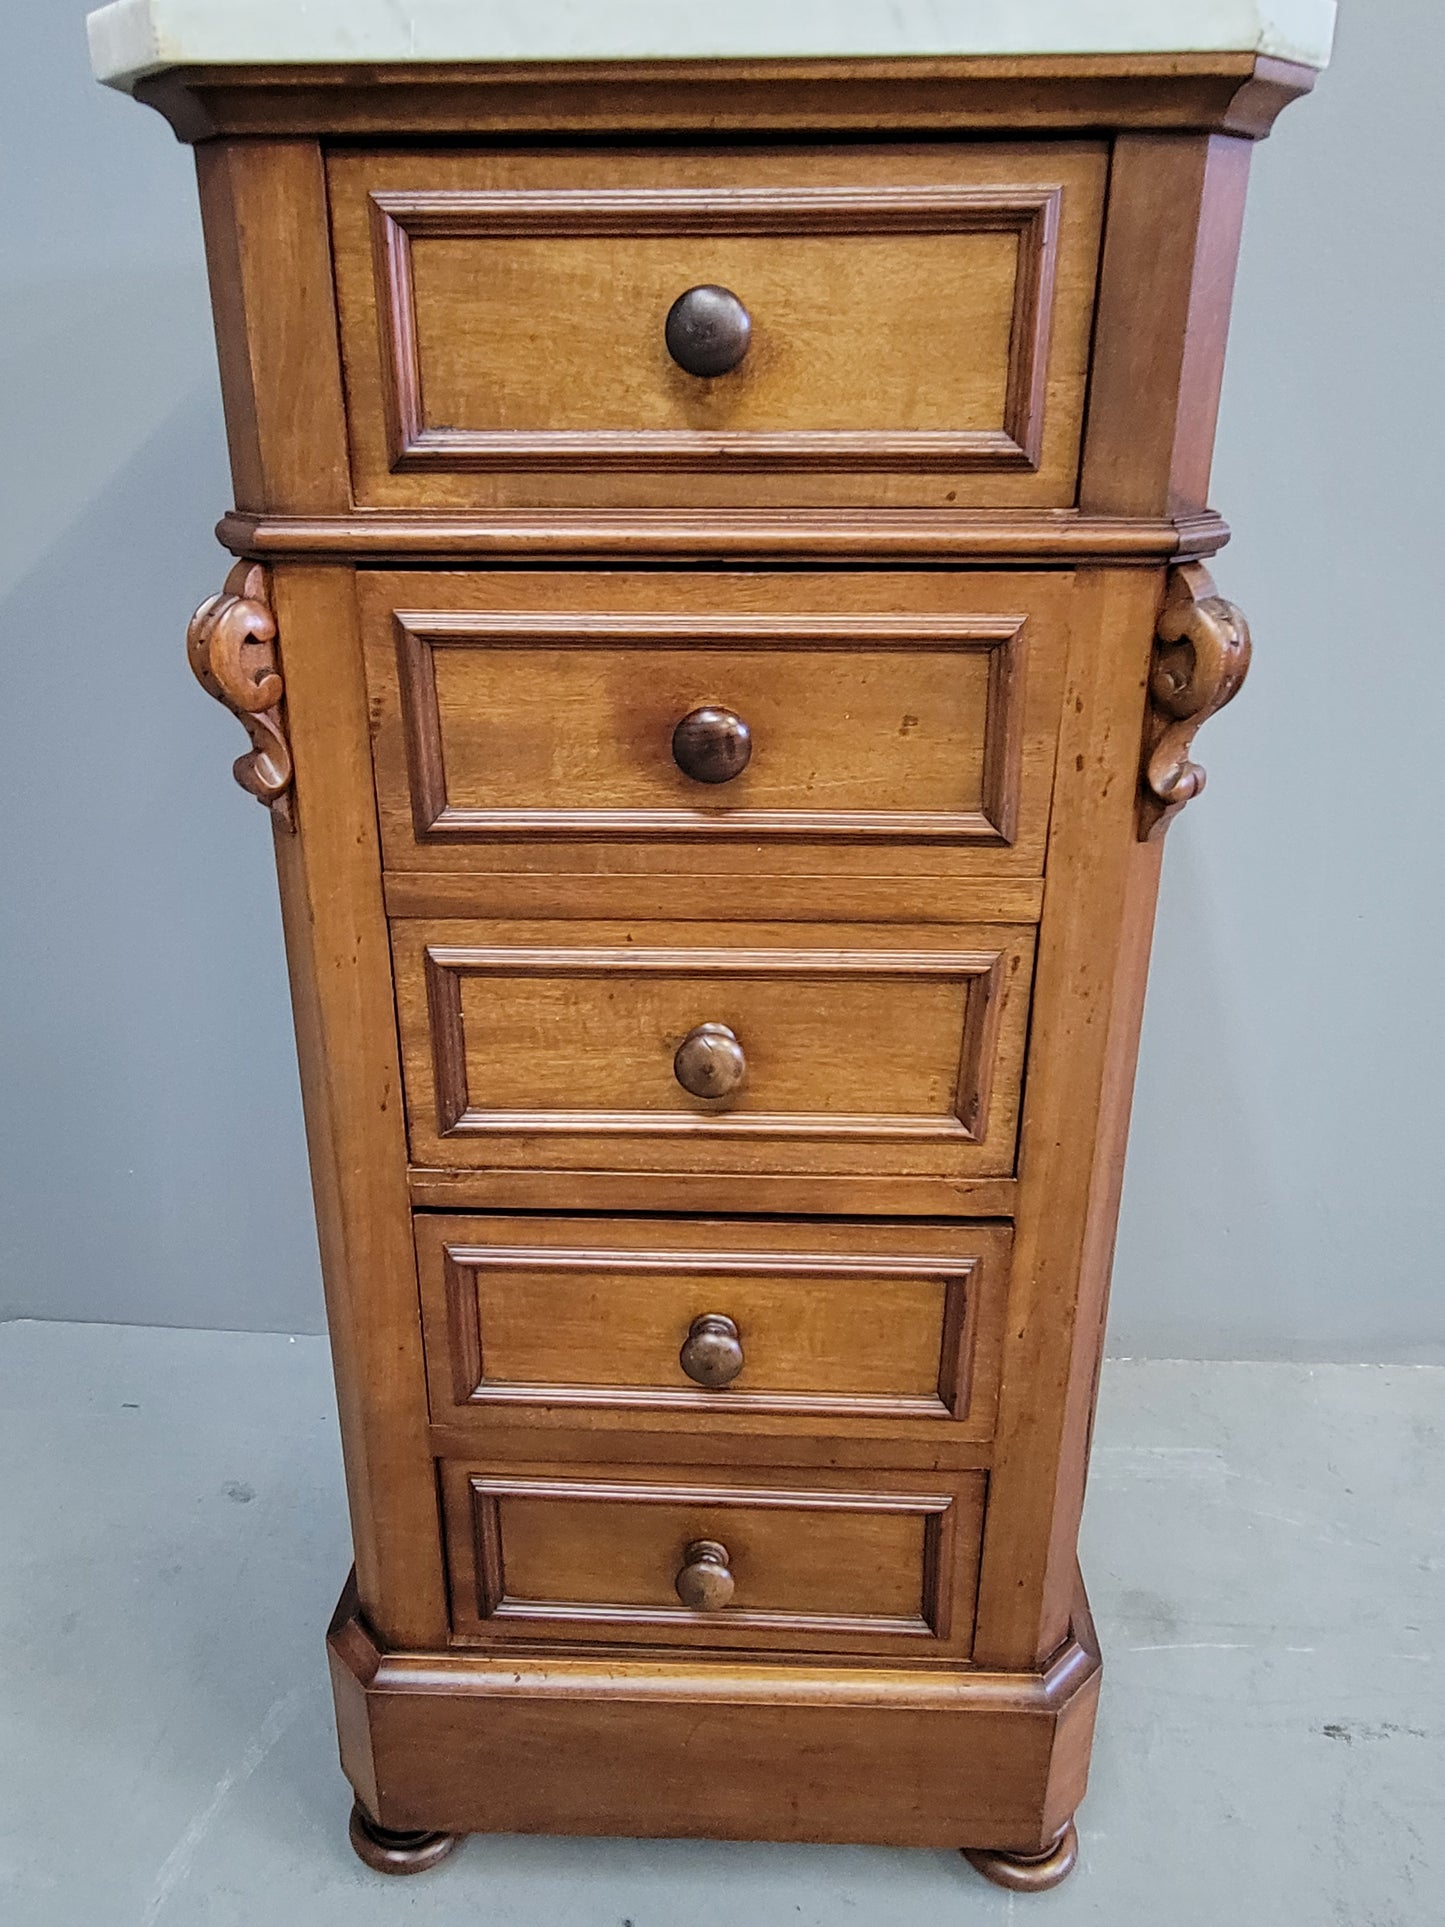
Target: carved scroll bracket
<point>231,645</point>
<point>1201,657</point>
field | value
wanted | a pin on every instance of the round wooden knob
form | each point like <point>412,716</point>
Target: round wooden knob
<point>712,745</point>
<point>707,331</point>
<point>710,1062</point>
<point>712,1354</point>
<point>705,1584</point>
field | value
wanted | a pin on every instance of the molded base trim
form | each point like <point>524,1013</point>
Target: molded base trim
<point>1036,537</point>
<point>723,1748</point>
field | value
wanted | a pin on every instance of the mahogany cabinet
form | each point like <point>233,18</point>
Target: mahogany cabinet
<point>721,618</point>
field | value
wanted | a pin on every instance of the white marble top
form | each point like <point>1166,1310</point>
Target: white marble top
<point>132,38</point>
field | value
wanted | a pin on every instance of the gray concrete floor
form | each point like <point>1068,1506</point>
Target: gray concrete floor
<point>1263,1545</point>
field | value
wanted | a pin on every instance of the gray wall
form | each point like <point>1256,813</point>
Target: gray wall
<point>1284,1194</point>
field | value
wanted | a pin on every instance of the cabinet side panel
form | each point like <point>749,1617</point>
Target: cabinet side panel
<point>263,205</point>
<point>346,1036</point>
<point>1176,204</point>
<point>1141,889</point>
<point>1098,909</point>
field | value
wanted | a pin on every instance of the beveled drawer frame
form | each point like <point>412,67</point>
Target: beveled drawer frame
<point>446,964</point>
<point>470,1387</point>
<point>484,1572</point>
<point>419,634</point>
<point>397,218</point>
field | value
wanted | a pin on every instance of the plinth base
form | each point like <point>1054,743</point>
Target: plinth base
<point>449,1743</point>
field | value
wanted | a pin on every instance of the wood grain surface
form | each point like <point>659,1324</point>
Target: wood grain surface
<point>920,323</point>
<point>848,1322</point>
<point>717,1133</point>
<point>899,721</point>
<point>896,1050</point>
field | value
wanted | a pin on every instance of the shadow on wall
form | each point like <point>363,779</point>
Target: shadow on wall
<point>1203,1177</point>
<point>1284,1193</point>
<point>154,1161</point>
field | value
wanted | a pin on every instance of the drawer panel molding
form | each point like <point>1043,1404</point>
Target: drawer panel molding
<point>910,1052</point>
<point>1030,214</point>
<point>898,723</point>
<point>542,1553</point>
<point>917,333</point>
<point>448,967</point>
<point>883,1329</point>
<point>944,1329</point>
<point>984,708</point>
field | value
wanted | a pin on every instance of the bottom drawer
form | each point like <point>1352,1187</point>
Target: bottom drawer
<point>819,1561</point>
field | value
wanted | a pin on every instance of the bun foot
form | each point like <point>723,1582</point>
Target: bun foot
<point>389,1851</point>
<point>1028,1873</point>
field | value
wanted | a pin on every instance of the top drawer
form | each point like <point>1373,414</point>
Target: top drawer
<point>918,322</point>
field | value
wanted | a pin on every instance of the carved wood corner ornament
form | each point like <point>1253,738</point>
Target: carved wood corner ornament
<point>231,645</point>
<point>1201,657</point>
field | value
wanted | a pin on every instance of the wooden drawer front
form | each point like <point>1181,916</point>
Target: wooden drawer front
<point>851,1323</point>
<point>823,1563</point>
<point>867,1051</point>
<point>884,712</point>
<point>920,322</point>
